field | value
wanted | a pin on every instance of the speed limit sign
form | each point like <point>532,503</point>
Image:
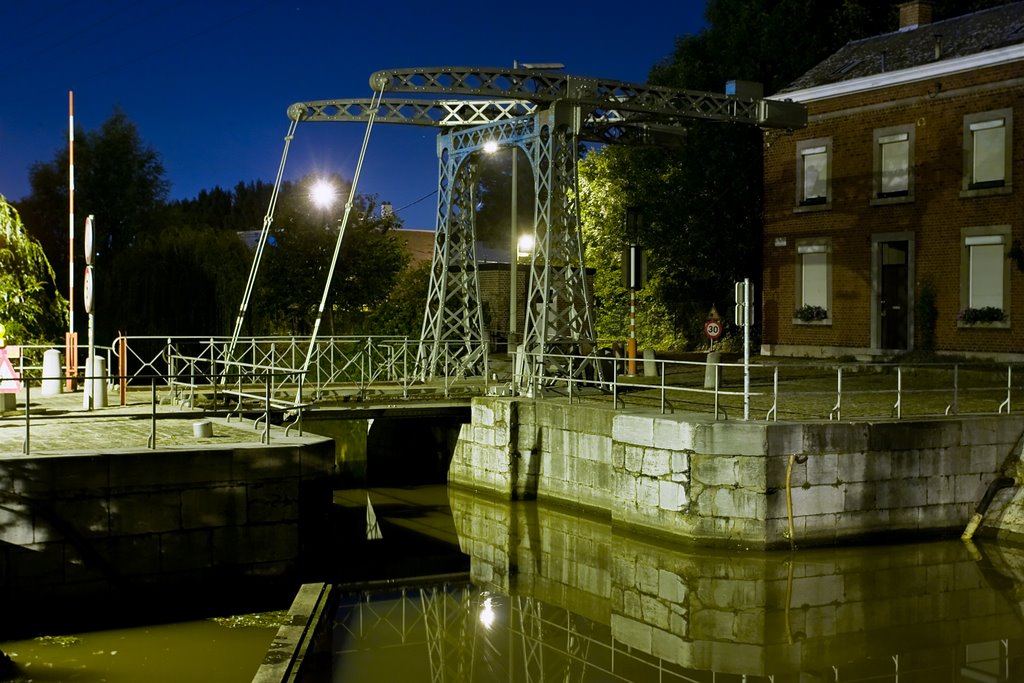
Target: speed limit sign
<point>713,329</point>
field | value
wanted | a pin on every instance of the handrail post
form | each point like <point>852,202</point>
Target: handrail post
<point>773,412</point>
<point>663,367</point>
<point>26,448</point>
<point>570,379</point>
<point>615,384</point>
<point>405,370</point>
<point>718,377</point>
<point>266,409</point>
<point>152,408</point>
<point>122,369</point>
<point>837,409</point>
<point>1009,384</point>
<point>899,393</point>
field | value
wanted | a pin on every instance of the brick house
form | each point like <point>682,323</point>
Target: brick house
<point>892,221</point>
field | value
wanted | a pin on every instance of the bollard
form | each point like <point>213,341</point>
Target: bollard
<point>202,429</point>
<point>650,364</point>
<point>711,370</point>
<point>95,385</point>
<point>53,369</point>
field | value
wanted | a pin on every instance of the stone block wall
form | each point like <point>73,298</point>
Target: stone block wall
<point>725,483</point>
<point>74,524</point>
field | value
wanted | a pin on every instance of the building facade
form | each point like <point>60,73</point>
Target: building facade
<point>892,221</point>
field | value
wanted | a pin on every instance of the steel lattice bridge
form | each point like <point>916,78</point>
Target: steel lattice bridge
<point>544,116</point>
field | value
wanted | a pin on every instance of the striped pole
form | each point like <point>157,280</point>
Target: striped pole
<point>71,212</point>
<point>71,342</point>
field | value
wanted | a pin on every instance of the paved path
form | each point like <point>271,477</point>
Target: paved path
<point>60,424</point>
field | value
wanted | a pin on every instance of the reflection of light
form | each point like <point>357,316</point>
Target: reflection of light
<point>322,194</point>
<point>491,146</point>
<point>487,614</point>
<point>525,245</point>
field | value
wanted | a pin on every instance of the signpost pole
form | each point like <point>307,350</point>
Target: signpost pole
<point>91,381</point>
<point>744,316</point>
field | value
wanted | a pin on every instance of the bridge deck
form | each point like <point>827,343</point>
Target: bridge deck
<point>62,425</point>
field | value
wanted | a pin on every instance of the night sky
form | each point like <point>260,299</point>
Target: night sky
<point>208,83</point>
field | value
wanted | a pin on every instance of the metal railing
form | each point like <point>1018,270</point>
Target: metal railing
<point>276,371</point>
<point>803,390</point>
<point>261,407</point>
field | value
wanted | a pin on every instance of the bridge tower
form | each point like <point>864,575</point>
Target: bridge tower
<point>546,115</point>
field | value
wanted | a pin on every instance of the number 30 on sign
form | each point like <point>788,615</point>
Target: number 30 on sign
<point>713,329</point>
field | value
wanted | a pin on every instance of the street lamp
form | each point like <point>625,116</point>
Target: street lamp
<point>323,194</point>
<point>525,245</point>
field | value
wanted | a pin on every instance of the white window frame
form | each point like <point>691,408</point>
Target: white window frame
<point>804,149</point>
<point>807,249</point>
<point>890,139</point>
<point>984,237</point>
<point>976,125</point>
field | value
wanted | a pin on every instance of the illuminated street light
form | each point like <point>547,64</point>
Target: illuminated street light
<point>323,194</point>
<point>491,146</point>
<point>525,245</point>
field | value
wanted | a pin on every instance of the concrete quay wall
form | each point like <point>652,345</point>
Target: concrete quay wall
<point>80,524</point>
<point>725,483</point>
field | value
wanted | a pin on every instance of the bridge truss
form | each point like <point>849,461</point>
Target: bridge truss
<point>545,116</point>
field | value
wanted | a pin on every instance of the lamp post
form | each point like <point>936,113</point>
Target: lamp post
<point>490,147</point>
<point>513,284</point>
<point>514,239</point>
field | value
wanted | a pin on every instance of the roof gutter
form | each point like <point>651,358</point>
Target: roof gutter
<point>946,67</point>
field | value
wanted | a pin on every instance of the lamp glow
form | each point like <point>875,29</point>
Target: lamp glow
<point>525,245</point>
<point>323,194</point>
<point>491,146</point>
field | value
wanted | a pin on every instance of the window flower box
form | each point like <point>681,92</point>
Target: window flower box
<point>984,316</point>
<point>811,314</point>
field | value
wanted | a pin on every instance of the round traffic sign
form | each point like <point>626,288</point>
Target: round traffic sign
<point>88,240</point>
<point>88,293</point>
<point>713,329</point>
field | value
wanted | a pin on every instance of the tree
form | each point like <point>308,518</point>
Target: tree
<point>401,313</point>
<point>120,181</point>
<point>296,266</point>
<point>703,200</point>
<point>31,309</point>
<point>118,178</point>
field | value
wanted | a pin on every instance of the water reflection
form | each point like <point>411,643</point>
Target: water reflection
<point>556,596</point>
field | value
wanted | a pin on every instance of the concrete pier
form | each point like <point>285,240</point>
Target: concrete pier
<point>89,523</point>
<point>692,479</point>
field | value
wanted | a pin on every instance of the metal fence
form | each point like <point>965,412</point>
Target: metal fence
<point>793,390</point>
<point>276,370</point>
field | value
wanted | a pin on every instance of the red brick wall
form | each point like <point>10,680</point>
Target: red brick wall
<point>935,217</point>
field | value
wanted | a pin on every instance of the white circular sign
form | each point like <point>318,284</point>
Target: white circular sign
<point>713,329</point>
<point>88,240</point>
<point>88,289</point>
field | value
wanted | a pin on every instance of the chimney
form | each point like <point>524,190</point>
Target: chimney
<point>915,13</point>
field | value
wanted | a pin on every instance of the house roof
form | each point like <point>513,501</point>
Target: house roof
<point>926,44</point>
<point>420,244</point>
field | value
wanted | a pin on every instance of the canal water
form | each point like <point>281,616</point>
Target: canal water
<point>222,650</point>
<point>443,585</point>
<point>551,595</point>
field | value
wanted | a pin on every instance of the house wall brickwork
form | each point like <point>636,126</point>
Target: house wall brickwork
<point>933,218</point>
